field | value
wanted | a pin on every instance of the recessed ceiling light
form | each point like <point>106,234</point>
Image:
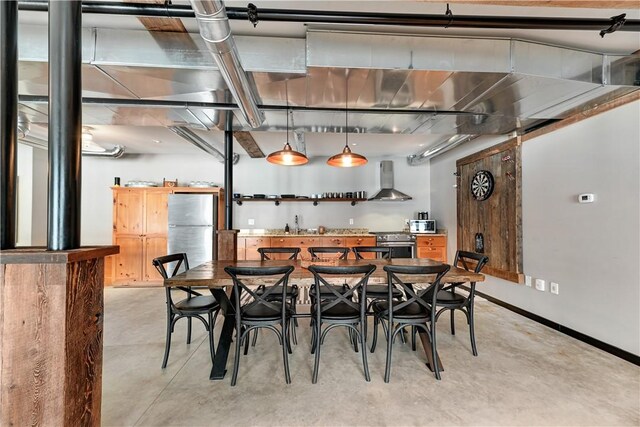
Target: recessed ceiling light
<point>157,141</point>
<point>420,145</point>
<point>354,143</point>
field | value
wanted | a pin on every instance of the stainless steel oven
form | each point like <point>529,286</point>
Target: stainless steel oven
<point>403,245</point>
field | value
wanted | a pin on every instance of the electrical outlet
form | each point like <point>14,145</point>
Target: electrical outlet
<point>350,221</point>
<point>541,285</point>
<point>555,288</point>
<point>527,281</point>
<point>252,221</point>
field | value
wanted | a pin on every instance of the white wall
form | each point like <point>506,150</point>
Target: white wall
<point>32,196</point>
<point>258,176</point>
<point>591,250</point>
<point>25,190</point>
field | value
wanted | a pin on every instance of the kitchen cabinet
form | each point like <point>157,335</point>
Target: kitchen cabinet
<point>432,247</point>
<point>140,226</point>
<point>248,246</point>
<point>361,241</point>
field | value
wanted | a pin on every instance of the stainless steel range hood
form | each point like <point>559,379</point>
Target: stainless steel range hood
<point>387,192</point>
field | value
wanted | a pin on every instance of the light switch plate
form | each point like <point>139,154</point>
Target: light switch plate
<point>350,221</point>
<point>541,285</point>
<point>527,281</point>
<point>252,221</point>
<point>555,288</point>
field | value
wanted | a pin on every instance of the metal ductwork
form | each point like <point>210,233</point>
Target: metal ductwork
<point>33,141</point>
<point>215,30</point>
<point>438,148</point>
<point>190,136</point>
<point>387,192</point>
<point>115,153</point>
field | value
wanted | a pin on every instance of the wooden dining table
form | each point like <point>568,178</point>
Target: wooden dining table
<point>211,274</point>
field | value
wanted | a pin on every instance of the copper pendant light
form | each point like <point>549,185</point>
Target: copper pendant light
<point>347,159</point>
<point>287,156</point>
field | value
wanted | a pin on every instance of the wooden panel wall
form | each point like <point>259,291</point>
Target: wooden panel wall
<point>498,218</point>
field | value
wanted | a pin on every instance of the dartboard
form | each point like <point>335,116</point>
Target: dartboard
<point>482,185</point>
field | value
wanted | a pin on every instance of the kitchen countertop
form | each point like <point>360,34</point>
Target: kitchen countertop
<point>332,232</point>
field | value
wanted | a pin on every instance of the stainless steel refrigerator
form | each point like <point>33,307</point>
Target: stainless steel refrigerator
<point>192,226</point>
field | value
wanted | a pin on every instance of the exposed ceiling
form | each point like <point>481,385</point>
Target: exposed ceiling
<point>483,86</point>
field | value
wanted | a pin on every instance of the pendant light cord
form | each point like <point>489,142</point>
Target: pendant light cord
<point>286,99</point>
<point>346,110</point>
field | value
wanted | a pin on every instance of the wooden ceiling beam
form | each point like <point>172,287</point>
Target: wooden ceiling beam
<point>174,25</point>
<point>246,141</point>
<point>585,4</point>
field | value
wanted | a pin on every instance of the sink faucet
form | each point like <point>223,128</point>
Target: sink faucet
<point>296,228</point>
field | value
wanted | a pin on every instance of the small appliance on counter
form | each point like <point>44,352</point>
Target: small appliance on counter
<point>423,215</point>
<point>426,226</point>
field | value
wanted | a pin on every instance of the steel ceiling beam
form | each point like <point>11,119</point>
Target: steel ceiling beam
<point>360,18</point>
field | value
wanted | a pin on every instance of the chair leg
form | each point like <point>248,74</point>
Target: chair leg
<point>316,363</point>
<point>413,338</point>
<point>255,338</point>
<point>453,324</point>
<point>354,339</point>
<point>375,334</point>
<point>236,358</point>
<point>167,344</point>
<point>387,367</point>
<point>246,342</point>
<point>436,365</point>
<point>189,330</point>
<point>363,344</point>
<point>313,337</point>
<point>474,350</point>
<point>286,349</point>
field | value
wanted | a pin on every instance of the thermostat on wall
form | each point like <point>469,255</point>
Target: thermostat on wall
<point>586,198</point>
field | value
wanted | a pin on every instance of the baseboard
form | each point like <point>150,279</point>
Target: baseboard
<point>623,354</point>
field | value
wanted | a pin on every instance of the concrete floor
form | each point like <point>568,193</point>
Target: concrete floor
<point>525,374</point>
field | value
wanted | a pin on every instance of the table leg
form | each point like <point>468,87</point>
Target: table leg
<point>219,368</point>
<point>426,344</point>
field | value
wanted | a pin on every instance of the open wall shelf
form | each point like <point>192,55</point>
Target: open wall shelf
<point>315,202</point>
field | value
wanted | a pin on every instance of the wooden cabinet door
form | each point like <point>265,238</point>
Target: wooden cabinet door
<point>361,241</point>
<point>156,213</point>
<point>153,248</point>
<point>128,212</point>
<point>128,263</point>
<point>437,253</point>
<point>252,244</point>
<point>431,241</point>
<point>334,241</point>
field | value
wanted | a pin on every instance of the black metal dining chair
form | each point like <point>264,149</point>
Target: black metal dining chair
<point>292,292</point>
<point>376,292</point>
<point>195,305</point>
<point>338,252</point>
<point>340,309</point>
<point>450,300</point>
<point>416,310</point>
<point>261,311</point>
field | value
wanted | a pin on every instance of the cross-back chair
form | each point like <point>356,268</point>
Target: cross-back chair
<point>261,310</point>
<point>337,308</point>
<point>195,305</point>
<point>416,310</point>
<point>450,300</point>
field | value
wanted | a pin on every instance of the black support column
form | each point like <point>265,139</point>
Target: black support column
<point>8,121</point>
<point>65,124</point>
<point>228,172</point>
